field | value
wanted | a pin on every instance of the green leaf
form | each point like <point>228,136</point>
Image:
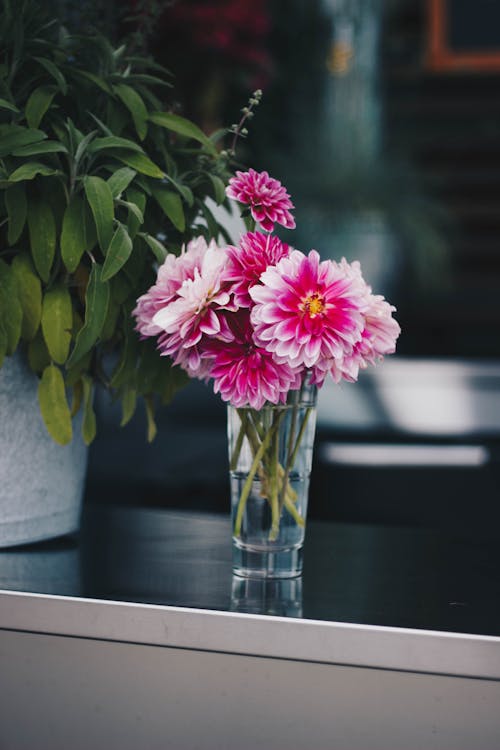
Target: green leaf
<point>171,205</point>
<point>120,180</point>
<point>150,415</point>
<point>53,405</point>
<point>118,252</point>
<point>181,126</point>
<point>141,163</point>
<point>219,188</point>
<point>96,308</point>
<point>74,239</point>
<point>96,80</point>
<point>4,104</point>
<point>54,71</point>
<point>126,367</point>
<point>3,344</point>
<point>111,142</point>
<point>132,209</point>
<point>159,251</point>
<point>30,170</point>
<point>57,322</point>
<point>15,137</point>
<point>100,199</point>
<point>42,231</point>
<point>110,324</point>
<point>129,403</point>
<point>89,420</point>
<point>17,209</point>
<point>136,202</point>
<point>186,192</point>
<point>76,401</point>
<point>30,294</point>
<point>38,103</point>
<point>11,313</point>
<point>38,354</point>
<point>42,147</point>
<point>135,106</point>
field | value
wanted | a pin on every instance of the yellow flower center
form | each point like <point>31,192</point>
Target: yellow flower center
<point>312,304</point>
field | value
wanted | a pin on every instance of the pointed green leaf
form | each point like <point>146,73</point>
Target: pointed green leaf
<point>30,294</point>
<point>150,415</point>
<point>76,400</point>
<point>17,137</point>
<point>11,313</point>
<point>57,322</point>
<point>118,252</point>
<point>129,403</point>
<point>181,126</point>
<point>100,200</point>
<point>31,170</point>
<point>55,72</point>
<point>3,344</point>
<point>125,369</point>
<point>219,188</point>
<point>120,180</point>
<point>186,192</point>
<point>96,80</point>
<point>38,354</point>
<point>15,203</point>
<point>43,147</point>
<point>53,405</point>
<point>171,206</point>
<point>74,234</point>
<point>96,308</point>
<point>159,251</point>
<point>133,102</point>
<point>89,420</point>
<point>141,163</point>
<point>42,231</point>
<point>4,104</point>
<point>111,142</point>
<point>138,199</point>
<point>133,209</point>
<point>110,324</point>
<point>38,103</point>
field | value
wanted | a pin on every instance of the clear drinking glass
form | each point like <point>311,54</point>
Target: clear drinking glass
<point>270,457</point>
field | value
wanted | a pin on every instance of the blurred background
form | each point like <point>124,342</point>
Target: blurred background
<point>383,121</point>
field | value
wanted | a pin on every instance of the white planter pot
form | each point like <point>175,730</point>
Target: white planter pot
<point>41,483</point>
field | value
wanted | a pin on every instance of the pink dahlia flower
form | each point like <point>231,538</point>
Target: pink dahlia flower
<point>245,263</point>
<point>194,312</point>
<point>243,373</point>
<point>171,275</point>
<point>307,311</point>
<point>269,202</point>
<point>378,338</point>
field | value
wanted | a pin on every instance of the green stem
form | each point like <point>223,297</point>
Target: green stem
<point>294,512</point>
<point>289,452</point>
<point>300,435</point>
<point>239,440</point>
<point>248,482</point>
<point>274,468</point>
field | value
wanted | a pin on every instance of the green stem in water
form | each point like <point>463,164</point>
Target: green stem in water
<point>253,469</point>
<point>239,440</point>
<point>274,471</point>
<point>300,435</point>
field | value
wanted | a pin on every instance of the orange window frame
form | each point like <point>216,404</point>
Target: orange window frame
<point>439,55</point>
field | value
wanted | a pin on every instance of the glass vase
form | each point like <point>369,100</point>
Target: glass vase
<point>270,458</point>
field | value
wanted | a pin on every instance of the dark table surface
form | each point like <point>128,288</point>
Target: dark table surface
<point>354,573</point>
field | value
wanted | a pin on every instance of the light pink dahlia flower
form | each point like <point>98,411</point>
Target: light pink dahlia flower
<point>171,275</point>
<point>243,373</point>
<point>194,312</point>
<point>245,263</point>
<point>307,311</point>
<point>378,338</point>
<point>269,202</point>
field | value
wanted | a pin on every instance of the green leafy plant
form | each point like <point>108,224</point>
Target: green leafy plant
<point>98,181</point>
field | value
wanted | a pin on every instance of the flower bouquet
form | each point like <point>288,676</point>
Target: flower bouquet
<point>267,324</point>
